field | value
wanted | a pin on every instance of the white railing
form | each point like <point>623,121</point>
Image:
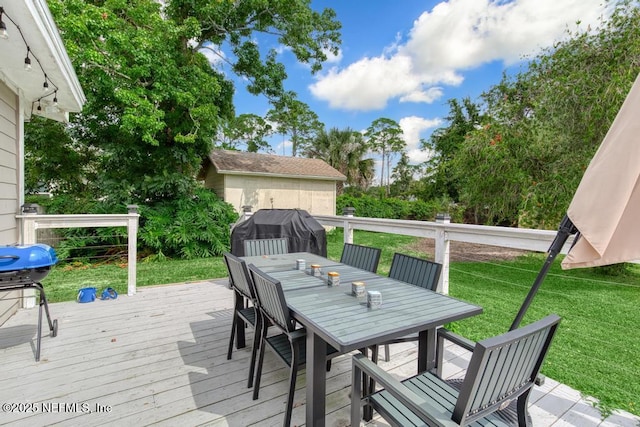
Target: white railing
<point>443,231</point>
<point>31,221</point>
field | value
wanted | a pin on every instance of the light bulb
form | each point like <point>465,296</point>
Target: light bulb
<point>3,30</point>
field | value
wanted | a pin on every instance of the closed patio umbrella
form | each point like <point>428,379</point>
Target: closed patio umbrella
<point>606,206</point>
<point>605,209</point>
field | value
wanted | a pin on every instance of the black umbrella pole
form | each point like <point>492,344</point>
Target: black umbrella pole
<point>564,231</point>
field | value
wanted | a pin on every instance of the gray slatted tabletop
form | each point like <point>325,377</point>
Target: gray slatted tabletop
<point>346,323</point>
<point>349,274</point>
<point>270,263</point>
<point>292,280</point>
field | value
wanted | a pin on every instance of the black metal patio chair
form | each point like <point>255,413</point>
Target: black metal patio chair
<point>266,247</point>
<point>290,345</point>
<point>244,312</point>
<point>502,370</point>
<point>362,257</point>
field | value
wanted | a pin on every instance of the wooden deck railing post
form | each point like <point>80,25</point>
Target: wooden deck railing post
<point>442,251</point>
<point>348,229</point>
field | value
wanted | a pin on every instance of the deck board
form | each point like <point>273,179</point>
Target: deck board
<point>159,357</point>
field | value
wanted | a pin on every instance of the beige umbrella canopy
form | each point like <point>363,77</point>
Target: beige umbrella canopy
<point>606,207</point>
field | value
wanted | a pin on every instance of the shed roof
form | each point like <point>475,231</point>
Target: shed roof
<point>243,163</point>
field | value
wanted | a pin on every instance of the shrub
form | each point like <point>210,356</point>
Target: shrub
<point>391,208</point>
<point>195,226</point>
<point>192,226</point>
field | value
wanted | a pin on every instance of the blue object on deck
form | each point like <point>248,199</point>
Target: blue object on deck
<point>109,293</point>
<point>87,295</point>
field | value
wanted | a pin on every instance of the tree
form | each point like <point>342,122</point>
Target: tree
<point>546,122</point>
<point>343,150</point>
<point>464,117</point>
<point>403,177</point>
<point>310,35</point>
<point>154,102</point>
<point>385,137</point>
<point>249,130</point>
<point>294,118</point>
<point>54,162</point>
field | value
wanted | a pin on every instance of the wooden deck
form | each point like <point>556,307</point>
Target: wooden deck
<point>159,358</point>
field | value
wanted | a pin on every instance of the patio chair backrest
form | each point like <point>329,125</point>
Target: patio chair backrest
<point>239,275</point>
<point>502,368</point>
<point>270,298</point>
<point>266,247</point>
<point>417,271</point>
<point>362,257</point>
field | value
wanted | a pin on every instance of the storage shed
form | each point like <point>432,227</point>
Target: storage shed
<point>267,181</point>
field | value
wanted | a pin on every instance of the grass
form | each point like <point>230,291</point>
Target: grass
<point>596,350</point>
<point>64,281</point>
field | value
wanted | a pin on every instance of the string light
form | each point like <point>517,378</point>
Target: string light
<point>50,107</point>
<point>3,27</point>
<point>27,60</point>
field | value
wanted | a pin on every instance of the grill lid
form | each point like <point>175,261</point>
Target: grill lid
<point>26,257</point>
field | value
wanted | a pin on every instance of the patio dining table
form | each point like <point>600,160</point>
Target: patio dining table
<point>333,316</point>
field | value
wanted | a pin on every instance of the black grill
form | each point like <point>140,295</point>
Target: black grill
<point>302,231</point>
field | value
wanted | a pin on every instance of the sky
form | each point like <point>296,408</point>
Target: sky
<point>404,59</point>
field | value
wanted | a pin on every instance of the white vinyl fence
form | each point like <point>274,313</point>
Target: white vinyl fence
<point>32,221</point>
<point>443,231</point>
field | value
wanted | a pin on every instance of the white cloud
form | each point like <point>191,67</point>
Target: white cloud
<point>281,49</point>
<point>331,58</point>
<point>368,83</point>
<point>456,35</point>
<point>283,146</point>
<point>426,96</point>
<point>472,32</point>
<point>214,55</point>
<point>412,128</point>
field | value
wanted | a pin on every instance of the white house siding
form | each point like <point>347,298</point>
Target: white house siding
<point>318,197</point>
<point>8,186</point>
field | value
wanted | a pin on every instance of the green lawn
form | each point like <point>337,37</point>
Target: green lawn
<point>597,347</point>
<point>596,350</point>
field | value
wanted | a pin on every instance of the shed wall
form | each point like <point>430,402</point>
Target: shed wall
<point>9,151</point>
<point>317,197</point>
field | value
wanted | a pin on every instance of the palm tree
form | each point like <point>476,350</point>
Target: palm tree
<point>344,150</point>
